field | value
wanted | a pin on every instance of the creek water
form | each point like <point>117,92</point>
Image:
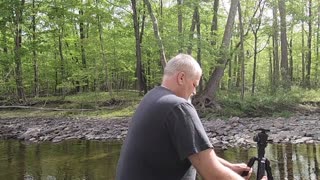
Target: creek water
<point>96,160</point>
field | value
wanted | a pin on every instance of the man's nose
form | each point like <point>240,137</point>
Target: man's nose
<point>194,92</point>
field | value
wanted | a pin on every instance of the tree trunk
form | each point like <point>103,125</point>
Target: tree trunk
<point>255,29</point>
<point>284,45</point>
<point>199,44</point>
<point>216,76</point>
<point>291,59</point>
<point>140,85</point>
<point>62,61</point>
<point>241,53</point>
<point>275,39</point>
<point>18,11</point>
<point>303,56</point>
<point>230,66</point>
<point>180,32</point>
<point>238,72</point>
<point>83,51</point>
<point>214,24</point>
<point>317,48</point>
<point>271,67</point>
<point>107,83</point>
<point>192,28</point>
<point>157,34</point>
<point>6,68</point>
<point>34,53</point>
<point>308,68</point>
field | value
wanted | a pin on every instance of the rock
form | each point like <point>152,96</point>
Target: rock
<point>235,132</point>
<point>214,141</point>
<point>302,140</point>
<point>30,133</point>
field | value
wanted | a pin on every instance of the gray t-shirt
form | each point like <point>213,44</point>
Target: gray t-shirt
<point>164,131</point>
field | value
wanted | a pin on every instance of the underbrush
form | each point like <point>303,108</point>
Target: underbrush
<point>124,103</point>
<point>280,104</point>
<point>93,104</point>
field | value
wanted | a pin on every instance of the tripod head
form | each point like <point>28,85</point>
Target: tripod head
<point>261,138</point>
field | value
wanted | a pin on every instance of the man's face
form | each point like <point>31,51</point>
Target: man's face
<point>188,85</point>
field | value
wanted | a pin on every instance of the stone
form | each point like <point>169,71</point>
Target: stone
<point>235,132</point>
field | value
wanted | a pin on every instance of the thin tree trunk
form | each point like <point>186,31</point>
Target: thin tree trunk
<point>192,28</point>
<point>303,61</point>
<point>17,49</point>
<point>157,34</point>
<point>270,67</point>
<point>6,68</point>
<point>291,59</point>
<point>34,53</point>
<point>255,29</point>
<point>180,22</point>
<point>107,83</point>
<point>254,70</point>
<point>161,8</point>
<point>214,24</point>
<point>142,23</point>
<point>230,66</point>
<point>308,68</point>
<point>62,61</point>
<point>140,84</point>
<point>317,48</point>
<point>145,79</point>
<point>83,51</point>
<point>241,53</point>
<point>199,44</point>
<point>284,45</point>
<point>275,39</point>
<point>238,71</point>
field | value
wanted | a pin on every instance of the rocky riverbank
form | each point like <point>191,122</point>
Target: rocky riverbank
<point>233,132</point>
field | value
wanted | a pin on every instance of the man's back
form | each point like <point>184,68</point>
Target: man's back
<point>155,147</point>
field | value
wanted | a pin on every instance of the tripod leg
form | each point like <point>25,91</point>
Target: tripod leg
<point>261,168</point>
<point>250,164</point>
<point>268,169</point>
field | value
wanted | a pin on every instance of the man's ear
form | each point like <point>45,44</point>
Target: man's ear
<point>180,78</point>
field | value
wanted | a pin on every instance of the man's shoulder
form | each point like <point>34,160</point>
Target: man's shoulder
<point>163,95</point>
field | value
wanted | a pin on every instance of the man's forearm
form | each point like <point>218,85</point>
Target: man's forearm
<point>224,162</point>
<point>209,166</point>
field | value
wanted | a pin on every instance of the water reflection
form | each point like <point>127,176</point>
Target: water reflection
<point>83,160</point>
<point>288,162</point>
<point>68,160</point>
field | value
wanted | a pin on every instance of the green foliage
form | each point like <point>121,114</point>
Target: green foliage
<point>100,105</point>
<point>279,104</point>
<point>65,68</point>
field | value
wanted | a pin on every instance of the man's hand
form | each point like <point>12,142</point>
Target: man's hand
<point>239,168</point>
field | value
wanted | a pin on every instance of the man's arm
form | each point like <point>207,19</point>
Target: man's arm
<point>209,166</point>
<point>238,167</point>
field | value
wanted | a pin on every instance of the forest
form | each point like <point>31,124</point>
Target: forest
<point>247,48</point>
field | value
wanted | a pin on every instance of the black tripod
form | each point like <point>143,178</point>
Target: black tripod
<point>263,163</point>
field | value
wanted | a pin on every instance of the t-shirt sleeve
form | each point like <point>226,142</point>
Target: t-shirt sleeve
<point>186,131</point>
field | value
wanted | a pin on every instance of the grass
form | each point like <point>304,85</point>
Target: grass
<point>280,104</point>
<point>95,105</point>
<point>124,103</point>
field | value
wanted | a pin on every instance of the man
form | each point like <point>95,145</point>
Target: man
<point>166,138</point>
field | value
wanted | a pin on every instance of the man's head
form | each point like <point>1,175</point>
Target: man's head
<point>182,75</point>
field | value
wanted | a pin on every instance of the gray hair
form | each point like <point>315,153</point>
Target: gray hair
<point>182,62</point>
